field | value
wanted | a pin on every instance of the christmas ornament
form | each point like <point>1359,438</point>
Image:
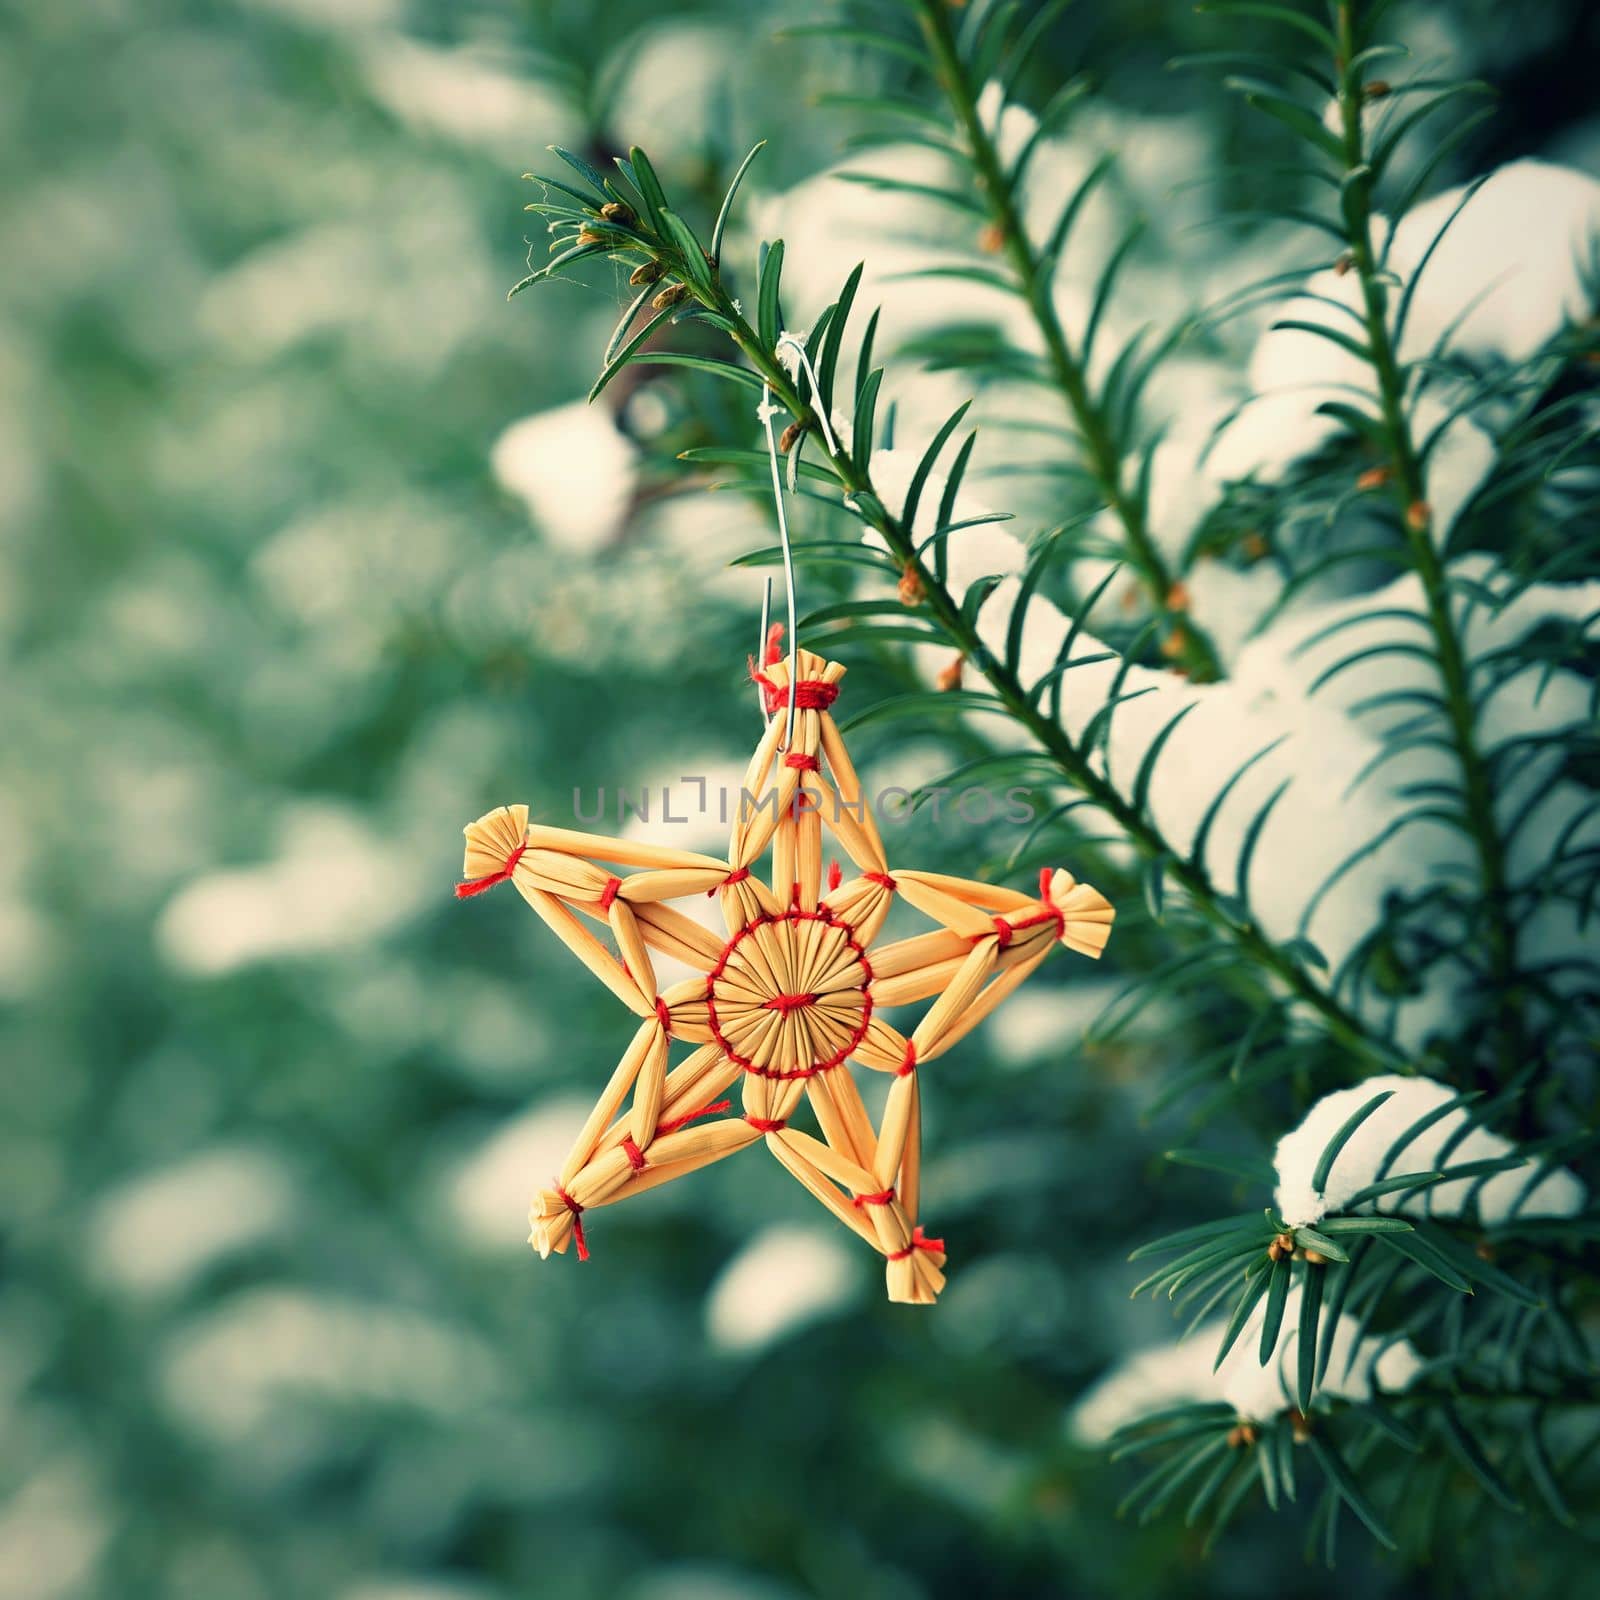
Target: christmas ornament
<point>792,993</point>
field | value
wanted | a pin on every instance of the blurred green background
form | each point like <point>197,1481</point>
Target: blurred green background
<point>272,1103</point>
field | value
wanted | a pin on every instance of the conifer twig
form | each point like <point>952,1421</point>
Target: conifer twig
<point>1407,483</point>
<point>1343,1025</point>
<point>1033,275</point>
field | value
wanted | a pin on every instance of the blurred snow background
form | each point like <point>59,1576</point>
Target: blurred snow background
<point>308,553</point>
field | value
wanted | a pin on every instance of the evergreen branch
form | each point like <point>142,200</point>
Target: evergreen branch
<point>1342,1024</point>
<point>1067,368</point>
<point>1408,485</point>
<point>673,258</point>
<point>1342,1437</point>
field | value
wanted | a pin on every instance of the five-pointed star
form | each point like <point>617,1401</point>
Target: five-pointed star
<point>791,995</point>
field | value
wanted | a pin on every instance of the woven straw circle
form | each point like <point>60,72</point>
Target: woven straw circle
<point>788,998</point>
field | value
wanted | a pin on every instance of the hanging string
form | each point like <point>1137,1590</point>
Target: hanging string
<point>796,342</point>
<point>766,411</point>
<point>792,345</point>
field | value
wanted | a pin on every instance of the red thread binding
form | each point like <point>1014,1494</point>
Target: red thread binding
<point>801,762</point>
<point>882,879</point>
<point>771,655</point>
<point>786,1003</point>
<point>1006,931</point>
<point>767,1124</point>
<point>688,1117</point>
<point>919,1241</point>
<point>474,886</point>
<point>634,1154</point>
<point>794,1074</point>
<point>835,875</point>
<point>908,1063</point>
<point>882,1198</point>
<point>609,893</point>
<point>1055,913</point>
<point>577,1223</point>
<point>738,875</point>
<point>810,694</point>
<point>663,1016</point>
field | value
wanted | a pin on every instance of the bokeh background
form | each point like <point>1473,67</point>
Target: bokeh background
<point>306,558</point>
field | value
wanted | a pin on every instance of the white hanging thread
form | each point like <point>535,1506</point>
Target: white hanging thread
<point>795,344</point>
<point>791,352</point>
<point>766,411</point>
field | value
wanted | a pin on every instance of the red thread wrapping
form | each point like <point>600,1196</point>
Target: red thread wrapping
<point>688,1117</point>
<point>577,1223</point>
<point>882,879</point>
<point>767,1124</point>
<point>801,762</point>
<point>609,893</point>
<point>881,1198</point>
<point>1005,931</point>
<point>788,1002</point>
<point>810,694</point>
<point>474,886</point>
<point>634,1154</point>
<point>663,1016</point>
<point>738,875</point>
<point>919,1241</point>
<point>908,1063</point>
<point>835,875</point>
<point>1054,912</point>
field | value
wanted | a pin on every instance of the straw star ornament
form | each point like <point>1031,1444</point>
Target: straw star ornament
<point>791,995</point>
